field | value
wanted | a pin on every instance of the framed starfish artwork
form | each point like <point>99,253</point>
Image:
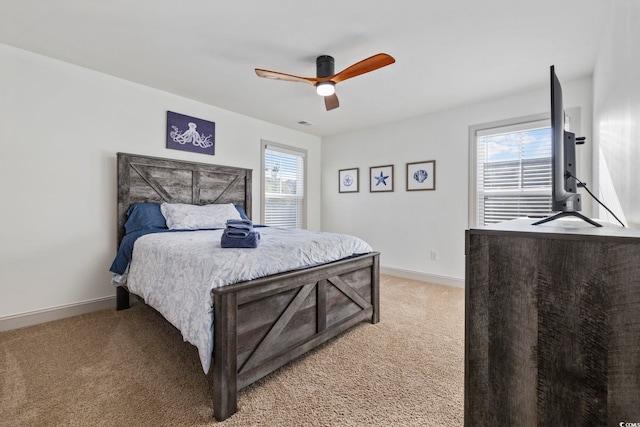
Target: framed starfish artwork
<point>348,180</point>
<point>381,178</point>
<point>188,133</point>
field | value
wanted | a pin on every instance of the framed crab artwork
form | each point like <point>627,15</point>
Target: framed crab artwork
<point>421,176</point>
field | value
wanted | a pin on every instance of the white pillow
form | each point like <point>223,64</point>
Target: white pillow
<point>181,216</point>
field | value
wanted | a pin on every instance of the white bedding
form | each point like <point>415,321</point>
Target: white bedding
<point>175,272</point>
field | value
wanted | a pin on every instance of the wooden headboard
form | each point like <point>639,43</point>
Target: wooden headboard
<point>153,179</point>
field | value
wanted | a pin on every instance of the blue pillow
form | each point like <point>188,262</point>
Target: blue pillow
<point>241,211</point>
<point>144,216</point>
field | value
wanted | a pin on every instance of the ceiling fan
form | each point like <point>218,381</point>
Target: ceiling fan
<point>325,80</point>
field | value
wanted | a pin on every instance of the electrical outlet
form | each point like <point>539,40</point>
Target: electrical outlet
<point>434,255</point>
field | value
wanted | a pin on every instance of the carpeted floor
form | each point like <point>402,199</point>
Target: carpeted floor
<point>131,368</point>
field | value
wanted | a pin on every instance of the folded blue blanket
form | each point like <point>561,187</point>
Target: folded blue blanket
<point>251,240</point>
<point>123,257</point>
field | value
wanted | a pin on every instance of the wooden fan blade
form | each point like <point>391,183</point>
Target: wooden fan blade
<point>366,65</point>
<point>286,77</point>
<point>331,102</point>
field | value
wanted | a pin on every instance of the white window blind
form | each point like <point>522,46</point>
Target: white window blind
<point>284,187</point>
<point>513,172</point>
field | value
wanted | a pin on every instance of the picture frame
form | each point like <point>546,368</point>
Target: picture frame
<point>188,133</point>
<point>349,180</point>
<point>381,178</point>
<point>421,176</point>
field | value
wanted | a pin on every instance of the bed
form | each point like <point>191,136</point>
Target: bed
<point>259,324</point>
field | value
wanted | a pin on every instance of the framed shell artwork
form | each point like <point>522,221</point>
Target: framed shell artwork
<point>421,176</point>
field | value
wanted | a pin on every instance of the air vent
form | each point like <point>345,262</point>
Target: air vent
<point>305,123</point>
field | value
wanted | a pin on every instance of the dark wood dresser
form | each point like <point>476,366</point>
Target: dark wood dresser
<point>552,328</point>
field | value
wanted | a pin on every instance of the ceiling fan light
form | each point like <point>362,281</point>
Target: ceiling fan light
<point>325,88</point>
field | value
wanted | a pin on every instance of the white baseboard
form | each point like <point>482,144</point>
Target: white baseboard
<point>425,277</point>
<point>35,317</point>
<point>21,320</point>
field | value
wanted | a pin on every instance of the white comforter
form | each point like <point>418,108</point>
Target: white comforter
<point>175,272</point>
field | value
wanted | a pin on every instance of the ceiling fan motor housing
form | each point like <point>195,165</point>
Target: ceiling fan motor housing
<point>325,66</point>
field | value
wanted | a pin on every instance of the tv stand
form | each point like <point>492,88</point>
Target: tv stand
<point>562,214</point>
<point>552,336</point>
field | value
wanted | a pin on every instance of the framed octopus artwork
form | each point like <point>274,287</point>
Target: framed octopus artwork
<point>188,133</point>
<point>421,176</point>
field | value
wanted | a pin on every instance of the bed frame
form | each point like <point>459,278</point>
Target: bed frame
<point>262,324</point>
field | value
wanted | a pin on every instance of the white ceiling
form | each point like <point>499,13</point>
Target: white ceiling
<point>448,52</point>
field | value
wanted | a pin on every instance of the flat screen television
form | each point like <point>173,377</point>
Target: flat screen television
<point>565,199</point>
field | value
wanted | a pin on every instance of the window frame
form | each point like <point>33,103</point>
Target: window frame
<point>286,149</point>
<point>474,131</point>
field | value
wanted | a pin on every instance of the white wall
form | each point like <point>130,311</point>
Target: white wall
<point>60,127</point>
<point>617,109</point>
<point>406,226</point>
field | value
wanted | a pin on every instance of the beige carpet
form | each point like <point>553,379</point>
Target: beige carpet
<point>131,368</point>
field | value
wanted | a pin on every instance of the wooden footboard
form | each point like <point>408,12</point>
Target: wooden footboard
<point>263,324</point>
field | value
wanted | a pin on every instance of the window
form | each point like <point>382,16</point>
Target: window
<point>511,171</point>
<point>283,184</point>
